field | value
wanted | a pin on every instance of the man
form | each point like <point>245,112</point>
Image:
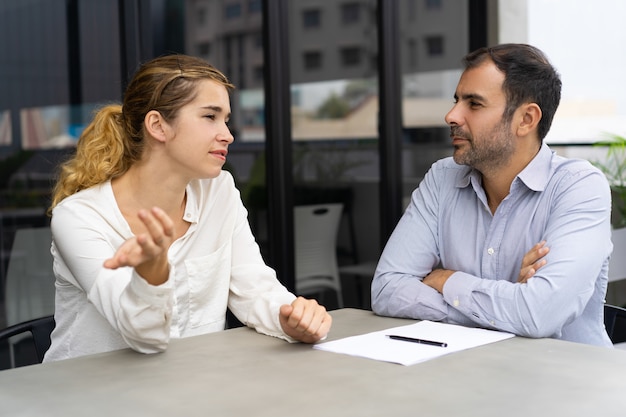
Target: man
<point>466,250</point>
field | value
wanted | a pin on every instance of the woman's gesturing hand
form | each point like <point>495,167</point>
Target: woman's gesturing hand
<point>147,252</point>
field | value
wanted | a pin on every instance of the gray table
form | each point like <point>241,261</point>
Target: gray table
<point>241,373</point>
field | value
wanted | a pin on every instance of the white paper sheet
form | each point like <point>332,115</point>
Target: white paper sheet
<point>377,345</point>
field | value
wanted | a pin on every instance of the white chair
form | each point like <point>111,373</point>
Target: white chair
<point>30,280</point>
<point>316,228</point>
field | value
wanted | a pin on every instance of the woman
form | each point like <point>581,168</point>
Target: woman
<point>150,237</point>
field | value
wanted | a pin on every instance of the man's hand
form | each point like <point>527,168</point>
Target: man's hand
<point>532,261</point>
<point>305,320</point>
<point>437,278</point>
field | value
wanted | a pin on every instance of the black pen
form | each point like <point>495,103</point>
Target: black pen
<point>414,340</point>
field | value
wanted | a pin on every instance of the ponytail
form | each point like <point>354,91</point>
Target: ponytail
<point>101,155</point>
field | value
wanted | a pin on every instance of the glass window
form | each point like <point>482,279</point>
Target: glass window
<point>334,128</point>
<point>350,13</point>
<point>434,45</point>
<point>429,77</point>
<point>201,16</point>
<point>433,4</point>
<point>411,53</point>
<point>232,11</point>
<point>350,56</point>
<point>593,104</point>
<point>258,73</point>
<point>312,60</point>
<point>258,41</point>
<point>311,18</point>
<point>50,84</point>
<point>54,126</point>
<point>204,49</point>
<point>255,6</point>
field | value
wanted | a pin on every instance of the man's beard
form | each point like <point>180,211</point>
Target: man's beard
<point>494,148</point>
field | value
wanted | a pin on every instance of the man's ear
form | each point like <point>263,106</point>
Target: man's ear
<point>155,125</point>
<point>530,116</point>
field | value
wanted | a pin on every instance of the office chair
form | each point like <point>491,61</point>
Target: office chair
<point>615,323</point>
<point>316,228</point>
<point>39,328</point>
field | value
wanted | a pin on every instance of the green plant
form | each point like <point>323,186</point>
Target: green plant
<point>614,168</point>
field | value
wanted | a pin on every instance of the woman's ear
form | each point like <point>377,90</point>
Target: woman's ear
<point>530,117</point>
<point>155,125</point>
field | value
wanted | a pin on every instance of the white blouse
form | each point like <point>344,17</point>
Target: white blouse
<point>215,265</point>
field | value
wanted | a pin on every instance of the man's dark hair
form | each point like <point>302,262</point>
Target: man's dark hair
<point>528,78</point>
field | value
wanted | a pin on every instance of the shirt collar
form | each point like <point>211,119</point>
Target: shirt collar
<point>537,173</point>
<point>191,208</point>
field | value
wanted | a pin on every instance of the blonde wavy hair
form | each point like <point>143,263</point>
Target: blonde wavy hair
<point>114,140</point>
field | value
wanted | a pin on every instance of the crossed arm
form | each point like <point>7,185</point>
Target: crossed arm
<point>532,261</point>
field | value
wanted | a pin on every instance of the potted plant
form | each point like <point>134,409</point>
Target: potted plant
<point>614,168</point>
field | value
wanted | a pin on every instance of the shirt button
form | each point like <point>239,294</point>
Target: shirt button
<point>490,251</point>
<point>493,323</point>
<point>456,302</point>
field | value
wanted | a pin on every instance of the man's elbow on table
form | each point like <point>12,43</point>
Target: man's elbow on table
<point>534,327</point>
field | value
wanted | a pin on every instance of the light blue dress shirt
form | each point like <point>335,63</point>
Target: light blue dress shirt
<point>448,224</point>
